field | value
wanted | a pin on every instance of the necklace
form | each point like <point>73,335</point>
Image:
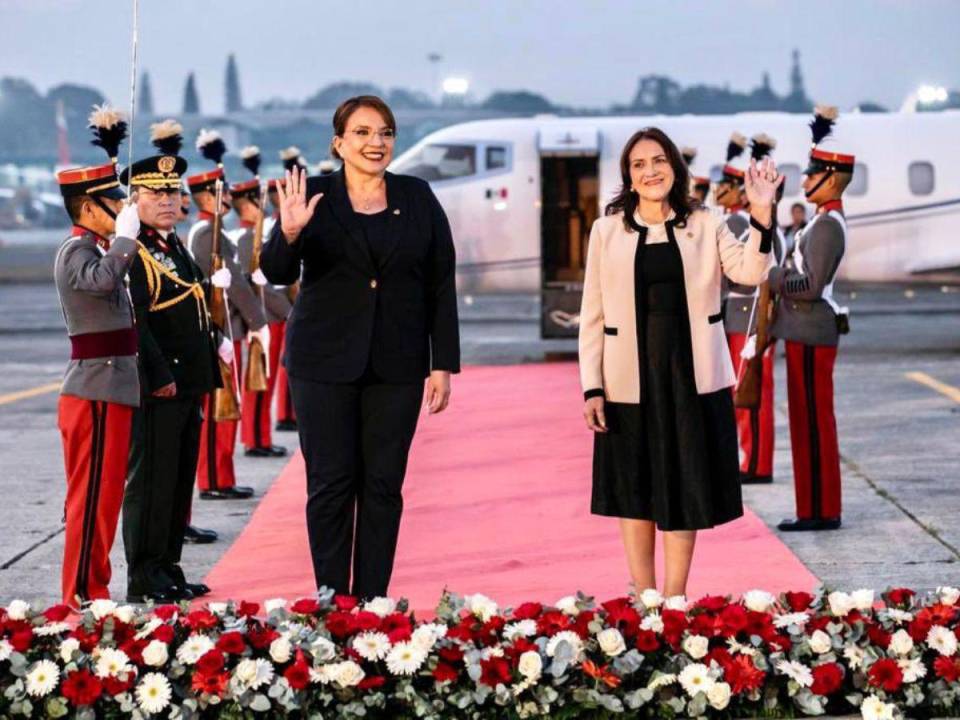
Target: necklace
<point>367,203</point>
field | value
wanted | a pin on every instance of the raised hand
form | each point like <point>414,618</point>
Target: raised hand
<point>761,183</point>
<point>295,211</point>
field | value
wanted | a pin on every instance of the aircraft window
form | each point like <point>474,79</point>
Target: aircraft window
<point>858,186</point>
<point>791,183</point>
<point>496,157</point>
<point>441,162</point>
<point>921,178</point>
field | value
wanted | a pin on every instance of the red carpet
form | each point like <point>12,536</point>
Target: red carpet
<point>497,501</point>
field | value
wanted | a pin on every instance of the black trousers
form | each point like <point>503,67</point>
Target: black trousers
<point>355,439</point>
<point>164,448</point>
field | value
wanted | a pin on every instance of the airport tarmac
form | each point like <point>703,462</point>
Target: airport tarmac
<point>897,404</point>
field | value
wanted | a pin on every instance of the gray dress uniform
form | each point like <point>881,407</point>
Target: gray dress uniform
<point>807,312</point>
<point>245,310</point>
<point>740,298</point>
<point>99,318</point>
<point>276,301</point>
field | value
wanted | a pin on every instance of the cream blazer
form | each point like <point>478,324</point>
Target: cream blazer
<point>609,354</point>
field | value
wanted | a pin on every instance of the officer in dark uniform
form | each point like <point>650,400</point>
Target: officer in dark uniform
<point>178,367</point>
<point>810,321</point>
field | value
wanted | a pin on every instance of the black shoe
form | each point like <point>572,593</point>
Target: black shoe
<point>806,524</point>
<point>238,492</point>
<point>271,451</point>
<point>286,426</point>
<point>746,479</point>
<point>197,589</point>
<point>161,596</point>
<point>199,536</point>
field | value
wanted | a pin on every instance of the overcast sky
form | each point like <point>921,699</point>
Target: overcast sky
<point>578,52</point>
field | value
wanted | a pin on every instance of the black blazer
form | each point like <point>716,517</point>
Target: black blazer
<point>402,317</point>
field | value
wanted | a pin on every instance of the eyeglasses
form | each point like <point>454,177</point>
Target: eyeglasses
<point>387,135</point>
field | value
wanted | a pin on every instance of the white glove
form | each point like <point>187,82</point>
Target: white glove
<point>221,278</point>
<point>128,222</point>
<point>263,335</point>
<point>225,351</point>
<point>749,350</point>
<point>259,278</point>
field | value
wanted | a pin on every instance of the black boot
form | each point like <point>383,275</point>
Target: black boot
<point>807,524</point>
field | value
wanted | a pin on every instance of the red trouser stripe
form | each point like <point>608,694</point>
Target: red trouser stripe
<point>218,440</point>
<point>96,445</point>
<point>813,430</point>
<point>255,428</point>
<point>755,427</point>
<point>284,399</point>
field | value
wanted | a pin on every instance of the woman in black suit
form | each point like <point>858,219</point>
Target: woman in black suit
<point>376,314</point>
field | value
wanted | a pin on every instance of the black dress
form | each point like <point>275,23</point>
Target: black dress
<point>673,458</point>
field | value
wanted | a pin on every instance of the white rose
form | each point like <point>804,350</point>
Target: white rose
<point>18,609</point>
<point>611,642</point>
<point>523,628</point>
<point>323,649</point>
<point>568,636</point>
<point>863,599</point>
<point>218,608</point>
<point>426,636</point>
<point>380,606</point>
<point>67,648</point>
<point>676,602</point>
<point>820,642</point>
<point>652,622</point>
<point>280,650</point>
<point>102,607</point>
<point>156,654</point>
<point>651,598</point>
<point>758,600</point>
<point>719,696</point>
<point>531,665</point>
<point>696,646</point>
<point>481,606</point>
<point>125,614</point>
<point>840,603</point>
<point>901,643</point>
<point>347,674</point>
<point>568,605</point>
<point>948,595</point>
<point>274,604</point>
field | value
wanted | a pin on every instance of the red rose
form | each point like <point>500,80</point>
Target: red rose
<point>799,601</point>
<point>451,654</point>
<point>719,655</point>
<point>81,687</point>
<point>900,596</point>
<point>345,603</point>
<point>365,620</point>
<point>340,624</point>
<point>552,622</point>
<point>397,627</point>
<point>733,619</point>
<point>623,616</point>
<point>372,681</point>
<point>164,634</point>
<point>518,648</point>
<point>817,623</point>
<point>57,613</point>
<point>706,625</point>
<point>647,641</point>
<point>88,640</point>
<point>494,671</point>
<point>947,668</point>
<point>231,643</point>
<point>134,650</point>
<point>298,675</point>
<point>200,620</point>
<point>581,625</point>
<point>260,636</point>
<point>759,624</point>
<point>919,627</point>
<point>305,606</point>
<point>878,636</point>
<point>211,662</point>
<point>119,685</point>
<point>210,684</point>
<point>674,624</point>
<point>886,674</point>
<point>21,639</point>
<point>742,675</point>
<point>248,609</point>
<point>444,673</point>
<point>712,603</point>
<point>827,679</point>
<point>165,612</point>
<point>528,611</point>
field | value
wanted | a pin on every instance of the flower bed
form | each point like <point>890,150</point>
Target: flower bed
<point>332,657</point>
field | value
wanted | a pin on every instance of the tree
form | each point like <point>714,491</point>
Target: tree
<point>233,102</point>
<point>519,101</point>
<point>401,98</point>
<point>657,94</point>
<point>145,97</point>
<point>191,102</point>
<point>334,94</point>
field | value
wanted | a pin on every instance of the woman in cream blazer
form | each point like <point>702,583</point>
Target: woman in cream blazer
<point>654,363</point>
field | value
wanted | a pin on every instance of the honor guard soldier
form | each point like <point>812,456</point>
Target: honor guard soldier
<point>260,380</point>
<point>755,425</point>
<point>699,186</point>
<point>178,357</point>
<point>810,322</point>
<point>729,193</point>
<point>101,386</point>
<point>216,476</point>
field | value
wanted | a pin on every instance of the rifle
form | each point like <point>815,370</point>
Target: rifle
<point>226,405</point>
<point>258,369</point>
<point>750,374</point>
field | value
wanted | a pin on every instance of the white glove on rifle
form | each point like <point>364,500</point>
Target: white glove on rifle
<point>263,335</point>
<point>259,278</point>
<point>221,278</point>
<point>225,351</point>
<point>749,350</point>
<point>128,222</point>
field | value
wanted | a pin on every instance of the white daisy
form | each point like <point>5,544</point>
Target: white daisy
<point>51,629</point>
<point>912,668</point>
<point>251,674</point>
<point>652,622</point>
<point>854,656</point>
<point>798,672</point>
<point>102,608</point>
<point>942,640</point>
<point>380,606</point>
<point>112,662</point>
<point>194,648</point>
<point>661,681</point>
<point>147,630</point>
<point>372,645</point>
<point>740,649</point>
<point>405,658</point>
<point>898,616</point>
<point>900,643</point>
<point>522,628</point>
<point>873,708</point>
<point>153,693</point>
<point>576,644</point>
<point>695,678</point>
<point>42,678</point>
<point>798,618</point>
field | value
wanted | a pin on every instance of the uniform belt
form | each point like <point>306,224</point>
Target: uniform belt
<point>103,344</point>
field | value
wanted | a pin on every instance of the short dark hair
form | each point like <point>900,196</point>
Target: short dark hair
<point>349,106</point>
<point>799,205</point>
<point>74,206</point>
<point>626,201</point>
